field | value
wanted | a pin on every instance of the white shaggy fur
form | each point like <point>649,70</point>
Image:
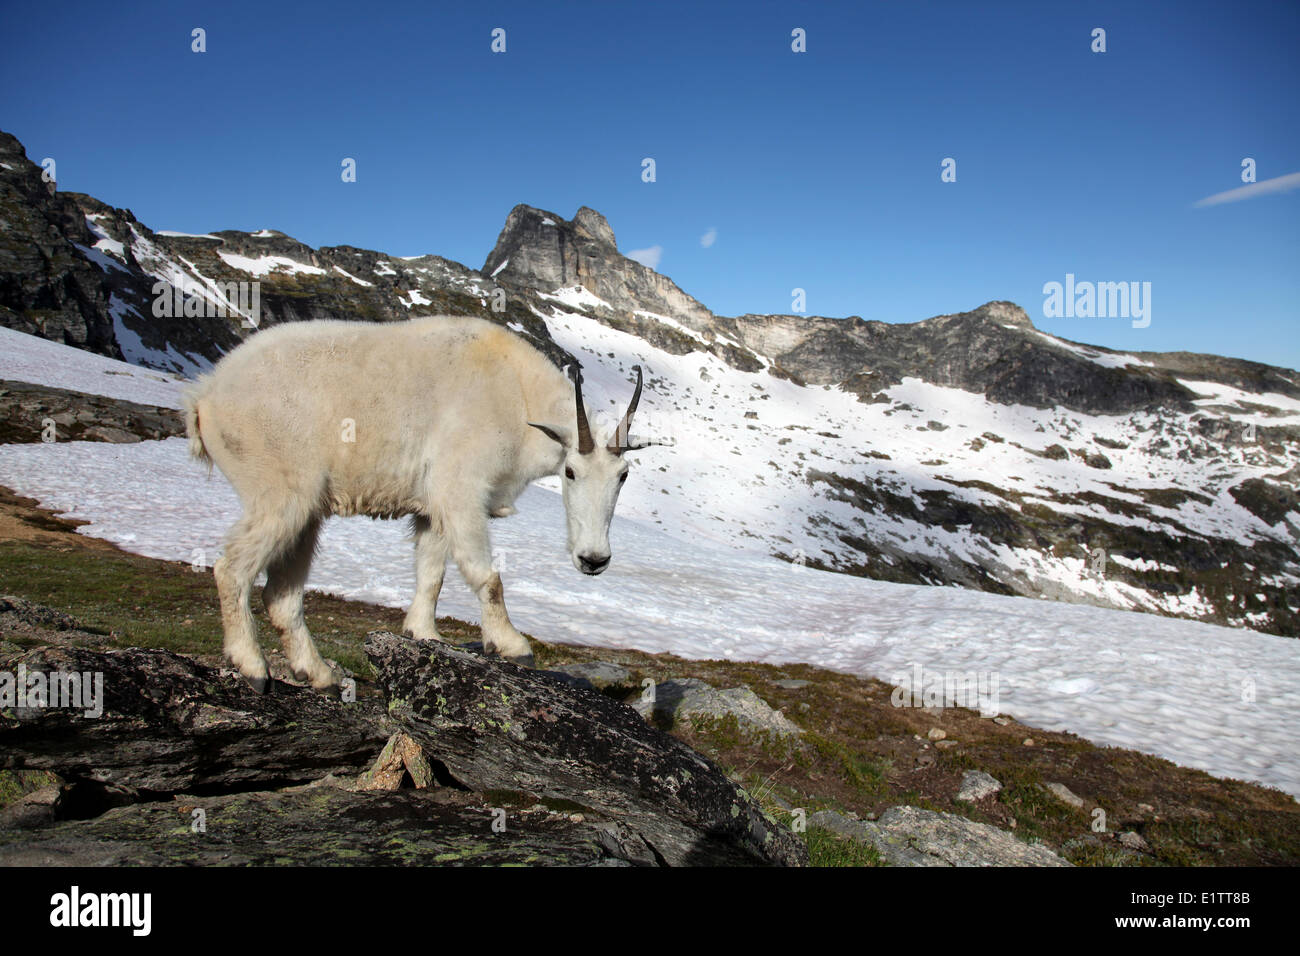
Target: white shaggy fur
<point>429,418</point>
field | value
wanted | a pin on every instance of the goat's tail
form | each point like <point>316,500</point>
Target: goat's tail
<point>190,401</point>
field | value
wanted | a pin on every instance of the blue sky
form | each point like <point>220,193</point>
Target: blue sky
<point>818,170</point>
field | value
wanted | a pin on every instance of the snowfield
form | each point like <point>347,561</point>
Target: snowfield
<point>746,442</point>
<point>27,358</point>
<point>690,573</point>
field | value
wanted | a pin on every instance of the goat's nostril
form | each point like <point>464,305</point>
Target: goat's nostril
<point>593,564</point>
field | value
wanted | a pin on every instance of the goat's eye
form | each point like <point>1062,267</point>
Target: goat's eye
<point>568,473</point>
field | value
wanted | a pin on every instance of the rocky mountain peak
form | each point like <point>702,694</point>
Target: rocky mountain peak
<point>595,225</point>
<point>543,251</point>
<point>1005,313</point>
<point>11,147</point>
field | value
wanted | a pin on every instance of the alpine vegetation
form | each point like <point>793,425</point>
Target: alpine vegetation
<point>444,419</point>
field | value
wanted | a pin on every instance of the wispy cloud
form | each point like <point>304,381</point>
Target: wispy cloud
<point>648,257</point>
<point>709,238</point>
<point>1279,184</point>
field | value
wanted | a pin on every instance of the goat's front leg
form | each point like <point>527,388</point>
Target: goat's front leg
<point>430,566</point>
<point>468,537</point>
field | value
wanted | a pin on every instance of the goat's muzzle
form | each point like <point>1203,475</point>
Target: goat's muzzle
<point>592,563</point>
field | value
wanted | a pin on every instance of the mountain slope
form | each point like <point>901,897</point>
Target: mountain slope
<point>1172,687</point>
<point>968,449</point>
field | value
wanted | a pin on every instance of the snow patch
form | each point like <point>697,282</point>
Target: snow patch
<point>576,297</point>
<point>30,358</point>
<point>266,265</point>
<point>349,275</point>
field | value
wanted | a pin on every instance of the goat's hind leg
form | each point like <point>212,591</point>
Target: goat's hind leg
<point>266,530</point>
<point>286,577</point>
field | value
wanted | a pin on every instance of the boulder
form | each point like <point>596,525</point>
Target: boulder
<point>681,699</point>
<point>595,675</point>
<point>316,826</point>
<point>976,785</point>
<point>169,724</point>
<point>910,836</point>
<point>1064,794</point>
<point>498,727</point>
<point>474,761</point>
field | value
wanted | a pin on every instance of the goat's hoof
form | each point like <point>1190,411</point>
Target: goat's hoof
<point>323,678</point>
<point>523,660</point>
<point>329,685</point>
<point>261,685</point>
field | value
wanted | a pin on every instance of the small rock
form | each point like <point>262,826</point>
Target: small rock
<point>945,744</point>
<point>937,733</point>
<point>1003,721</point>
<point>1146,808</point>
<point>594,675</point>
<point>32,810</point>
<point>689,696</point>
<point>1064,794</point>
<point>1133,841</point>
<point>1028,741</point>
<point>910,836</point>
<point>792,683</point>
<point>976,785</point>
<point>400,756</point>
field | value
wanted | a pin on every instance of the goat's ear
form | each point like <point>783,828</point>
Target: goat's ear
<point>556,433</point>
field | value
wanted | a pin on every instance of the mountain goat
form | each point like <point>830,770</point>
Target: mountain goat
<point>444,419</point>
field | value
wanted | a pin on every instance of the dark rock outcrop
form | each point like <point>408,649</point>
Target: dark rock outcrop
<point>78,416</point>
<point>314,826</point>
<point>47,287</point>
<point>495,726</point>
<point>170,724</point>
<point>474,761</point>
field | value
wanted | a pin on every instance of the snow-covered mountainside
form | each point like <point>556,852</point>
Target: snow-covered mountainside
<point>968,449</point>
<point>1224,700</point>
<point>945,486</point>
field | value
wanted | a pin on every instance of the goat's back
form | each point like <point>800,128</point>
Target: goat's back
<point>362,413</point>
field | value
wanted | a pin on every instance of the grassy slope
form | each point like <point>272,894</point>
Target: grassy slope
<point>859,755</point>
